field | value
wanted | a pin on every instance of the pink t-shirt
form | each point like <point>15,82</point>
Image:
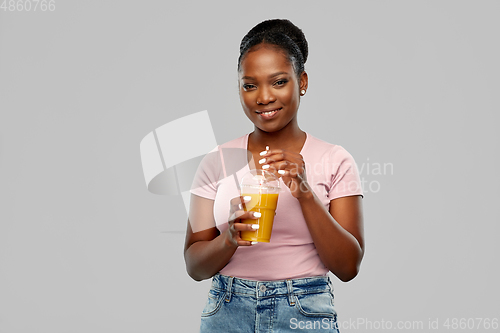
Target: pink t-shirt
<point>330,171</point>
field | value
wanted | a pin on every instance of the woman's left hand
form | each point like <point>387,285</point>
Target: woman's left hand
<point>291,167</point>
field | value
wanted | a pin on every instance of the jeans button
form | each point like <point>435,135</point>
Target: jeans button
<point>262,288</point>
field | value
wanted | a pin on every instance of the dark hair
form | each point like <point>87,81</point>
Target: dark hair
<point>280,33</point>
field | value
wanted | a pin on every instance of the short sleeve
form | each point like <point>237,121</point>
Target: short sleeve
<point>207,175</point>
<point>345,180</point>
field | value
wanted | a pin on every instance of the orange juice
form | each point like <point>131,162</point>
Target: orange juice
<point>265,204</point>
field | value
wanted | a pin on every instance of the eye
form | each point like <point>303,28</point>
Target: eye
<point>248,86</point>
<point>280,83</point>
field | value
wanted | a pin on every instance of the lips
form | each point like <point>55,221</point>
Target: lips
<point>268,114</point>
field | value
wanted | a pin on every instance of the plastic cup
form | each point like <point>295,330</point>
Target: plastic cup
<point>263,187</point>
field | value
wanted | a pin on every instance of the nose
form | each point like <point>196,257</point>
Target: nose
<point>265,96</point>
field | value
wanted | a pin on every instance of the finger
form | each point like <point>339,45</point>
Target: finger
<point>242,242</point>
<point>295,170</point>
<point>293,186</point>
<point>245,243</point>
<point>283,172</point>
<point>288,169</point>
<point>239,200</point>
<point>242,215</point>
<point>277,167</point>
<point>236,233</point>
<point>285,164</point>
<point>269,152</point>
<point>238,203</point>
<point>288,181</point>
<point>271,168</point>
<point>280,165</point>
<point>246,226</point>
<point>273,156</point>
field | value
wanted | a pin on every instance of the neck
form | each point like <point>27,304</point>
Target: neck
<point>289,138</point>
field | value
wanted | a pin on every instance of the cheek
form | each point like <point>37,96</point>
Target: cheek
<point>246,100</point>
<point>290,96</point>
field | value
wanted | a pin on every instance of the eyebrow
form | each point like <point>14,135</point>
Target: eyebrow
<point>270,76</point>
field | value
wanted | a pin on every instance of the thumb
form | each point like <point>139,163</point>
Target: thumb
<point>287,181</point>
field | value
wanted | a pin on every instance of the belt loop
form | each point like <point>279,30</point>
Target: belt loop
<point>330,283</point>
<point>229,287</point>
<point>289,286</point>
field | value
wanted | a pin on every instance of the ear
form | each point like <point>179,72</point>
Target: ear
<point>304,80</point>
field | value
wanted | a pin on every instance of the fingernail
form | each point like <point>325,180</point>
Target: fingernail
<point>265,166</point>
<point>255,226</point>
<point>253,243</point>
<point>262,153</point>
<point>256,214</point>
<point>281,172</point>
<point>247,198</point>
<point>262,161</point>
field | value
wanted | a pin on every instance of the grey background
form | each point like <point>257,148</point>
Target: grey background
<point>84,247</point>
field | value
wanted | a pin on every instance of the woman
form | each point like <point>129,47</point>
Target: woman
<point>318,227</point>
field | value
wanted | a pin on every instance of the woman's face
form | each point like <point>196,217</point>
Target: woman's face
<point>268,82</point>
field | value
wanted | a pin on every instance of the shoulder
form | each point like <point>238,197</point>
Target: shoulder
<point>227,157</point>
<point>229,146</point>
<point>239,142</point>
<point>322,148</point>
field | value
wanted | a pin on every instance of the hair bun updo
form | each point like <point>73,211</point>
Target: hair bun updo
<point>281,33</point>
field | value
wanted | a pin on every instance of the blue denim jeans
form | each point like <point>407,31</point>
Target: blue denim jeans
<point>292,305</point>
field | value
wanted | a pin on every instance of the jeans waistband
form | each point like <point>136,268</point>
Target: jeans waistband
<point>261,289</point>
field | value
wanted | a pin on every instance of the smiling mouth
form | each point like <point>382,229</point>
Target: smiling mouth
<point>271,112</point>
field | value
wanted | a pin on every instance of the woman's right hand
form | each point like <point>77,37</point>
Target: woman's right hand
<point>236,215</point>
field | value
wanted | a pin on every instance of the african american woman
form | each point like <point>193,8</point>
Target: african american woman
<point>282,285</point>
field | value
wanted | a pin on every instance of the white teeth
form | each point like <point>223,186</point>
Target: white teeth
<point>269,112</point>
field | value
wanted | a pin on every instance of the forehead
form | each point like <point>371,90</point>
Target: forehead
<point>262,60</point>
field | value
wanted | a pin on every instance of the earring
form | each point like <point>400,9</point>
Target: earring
<point>302,92</point>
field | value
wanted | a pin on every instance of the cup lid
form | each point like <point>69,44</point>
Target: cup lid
<point>260,179</point>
